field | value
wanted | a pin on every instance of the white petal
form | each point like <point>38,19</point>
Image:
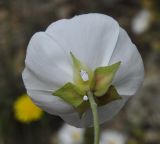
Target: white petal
<point>106,113</point>
<point>131,72</point>
<point>141,21</point>
<point>46,62</point>
<point>67,134</point>
<point>47,69</point>
<point>88,36</point>
<point>112,137</point>
<point>41,94</point>
<point>49,103</point>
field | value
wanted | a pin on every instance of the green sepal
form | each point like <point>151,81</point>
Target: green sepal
<point>98,81</point>
<point>70,94</point>
<point>81,109</point>
<point>110,96</point>
<point>78,66</point>
<point>104,77</point>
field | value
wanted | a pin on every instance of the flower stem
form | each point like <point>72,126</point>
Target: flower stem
<point>88,135</point>
<point>95,117</point>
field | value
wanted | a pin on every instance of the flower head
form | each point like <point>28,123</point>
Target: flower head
<point>97,41</point>
<point>25,111</point>
<point>112,137</point>
<point>70,135</point>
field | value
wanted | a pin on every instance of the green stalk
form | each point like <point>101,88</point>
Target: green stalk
<point>88,135</point>
<point>95,117</point>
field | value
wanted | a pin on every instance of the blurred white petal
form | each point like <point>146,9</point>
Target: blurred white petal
<point>70,135</point>
<point>141,21</point>
<point>112,137</point>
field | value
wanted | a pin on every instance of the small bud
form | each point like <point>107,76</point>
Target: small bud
<point>85,98</point>
<point>84,75</point>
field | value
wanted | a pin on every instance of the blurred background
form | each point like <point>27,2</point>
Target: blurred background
<point>137,123</point>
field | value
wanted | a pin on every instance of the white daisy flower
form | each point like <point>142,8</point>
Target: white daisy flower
<point>70,135</point>
<point>112,137</point>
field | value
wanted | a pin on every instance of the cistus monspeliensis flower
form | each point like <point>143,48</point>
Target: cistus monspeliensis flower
<point>87,52</point>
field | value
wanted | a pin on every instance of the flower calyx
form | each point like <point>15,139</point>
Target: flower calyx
<point>99,82</point>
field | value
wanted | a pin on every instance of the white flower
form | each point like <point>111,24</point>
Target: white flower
<point>70,135</point>
<point>141,21</point>
<point>97,40</point>
<point>112,137</point>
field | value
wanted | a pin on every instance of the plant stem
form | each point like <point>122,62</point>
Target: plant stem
<point>95,117</point>
<point>88,135</point>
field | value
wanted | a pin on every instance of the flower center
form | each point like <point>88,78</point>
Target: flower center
<point>84,75</point>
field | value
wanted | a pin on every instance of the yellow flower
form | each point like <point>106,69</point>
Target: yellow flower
<point>25,111</point>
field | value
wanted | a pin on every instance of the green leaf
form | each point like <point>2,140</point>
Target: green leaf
<point>78,67</point>
<point>110,96</point>
<point>70,94</point>
<point>104,77</point>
